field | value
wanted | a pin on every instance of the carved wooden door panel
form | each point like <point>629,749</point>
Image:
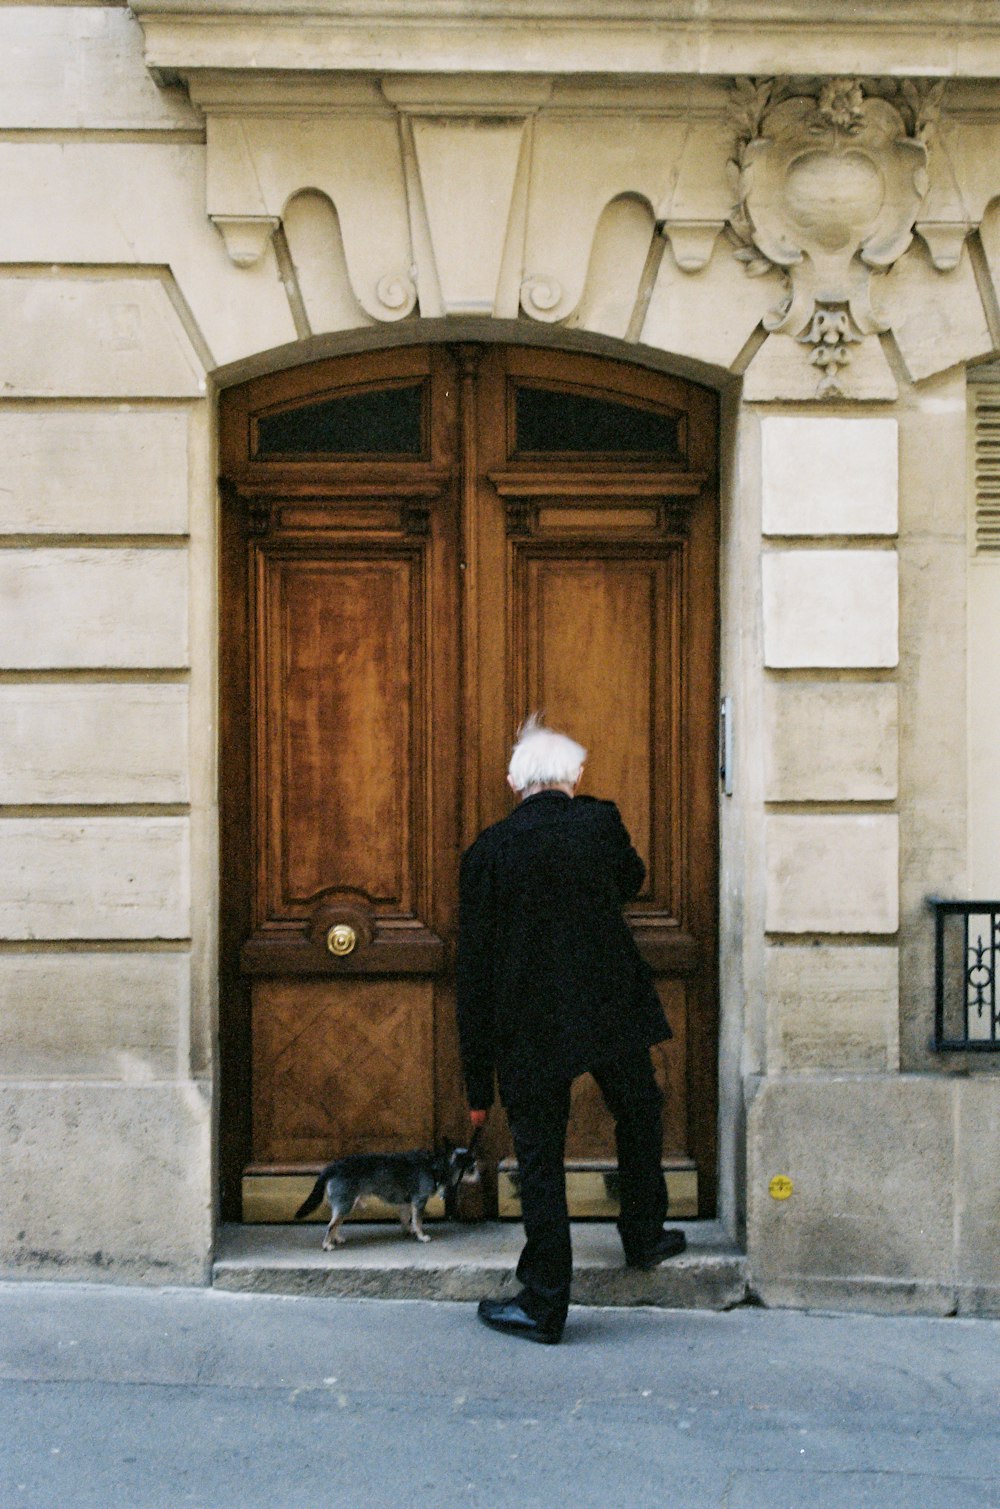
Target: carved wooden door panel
<point>598,539</point>
<point>419,547</point>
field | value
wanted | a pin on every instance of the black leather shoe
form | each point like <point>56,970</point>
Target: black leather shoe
<point>670,1243</point>
<point>510,1315</point>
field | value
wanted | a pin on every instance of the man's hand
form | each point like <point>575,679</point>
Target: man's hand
<point>478,1118</point>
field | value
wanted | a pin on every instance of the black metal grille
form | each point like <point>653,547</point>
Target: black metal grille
<point>966,963</point>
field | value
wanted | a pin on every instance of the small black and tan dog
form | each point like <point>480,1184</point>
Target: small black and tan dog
<point>407,1180</point>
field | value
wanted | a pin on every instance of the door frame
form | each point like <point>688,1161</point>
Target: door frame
<point>235,773</point>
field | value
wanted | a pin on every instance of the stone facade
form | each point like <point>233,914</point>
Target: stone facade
<point>195,194</point>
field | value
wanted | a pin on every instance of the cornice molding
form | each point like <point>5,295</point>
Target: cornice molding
<point>481,95</point>
<point>703,12</point>
<point>637,38</point>
<point>273,93</point>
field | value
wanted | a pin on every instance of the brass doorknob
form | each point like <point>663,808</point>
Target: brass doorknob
<point>341,939</point>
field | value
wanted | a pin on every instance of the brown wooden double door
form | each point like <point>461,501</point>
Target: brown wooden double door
<point>421,546</point>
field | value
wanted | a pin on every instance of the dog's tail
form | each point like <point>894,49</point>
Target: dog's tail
<point>314,1198</point>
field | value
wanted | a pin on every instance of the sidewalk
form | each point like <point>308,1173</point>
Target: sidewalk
<point>150,1398</point>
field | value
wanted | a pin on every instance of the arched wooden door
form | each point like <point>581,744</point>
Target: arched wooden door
<point>420,546</point>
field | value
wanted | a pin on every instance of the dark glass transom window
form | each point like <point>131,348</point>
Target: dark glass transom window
<point>550,419</point>
<point>381,422</point>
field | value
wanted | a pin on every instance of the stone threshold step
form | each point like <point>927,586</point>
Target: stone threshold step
<point>468,1262</point>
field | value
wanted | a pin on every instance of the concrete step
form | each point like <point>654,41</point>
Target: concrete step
<point>469,1262</point>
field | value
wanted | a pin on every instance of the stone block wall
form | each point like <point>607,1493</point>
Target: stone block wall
<point>830,744</point>
<point>867,815</point>
<point>894,1203</point>
<point>105,717</point>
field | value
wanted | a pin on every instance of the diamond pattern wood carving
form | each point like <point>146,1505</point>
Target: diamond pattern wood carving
<point>341,1067</point>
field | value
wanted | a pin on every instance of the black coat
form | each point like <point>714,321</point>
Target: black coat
<point>550,980</point>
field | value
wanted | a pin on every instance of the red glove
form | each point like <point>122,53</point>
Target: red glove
<point>478,1118</point>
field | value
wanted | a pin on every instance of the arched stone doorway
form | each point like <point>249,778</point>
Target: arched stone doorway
<point>420,546</point>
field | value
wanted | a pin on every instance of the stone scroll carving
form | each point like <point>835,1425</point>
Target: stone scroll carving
<point>261,162</point>
<point>829,177</point>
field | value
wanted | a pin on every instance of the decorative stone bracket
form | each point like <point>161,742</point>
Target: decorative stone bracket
<point>692,241</point>
<point>246,236</point>
<point>829,177</point>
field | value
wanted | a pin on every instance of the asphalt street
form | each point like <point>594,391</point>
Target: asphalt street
<point>147,1398</point>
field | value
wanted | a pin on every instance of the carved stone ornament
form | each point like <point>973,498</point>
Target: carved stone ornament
<point>540,296</point>
<point>246,236</point>
<point>397,296</point>
<point>829,177</point>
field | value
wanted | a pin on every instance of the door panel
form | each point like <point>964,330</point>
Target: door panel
<point>338,792</point>
<point>597,656</point>
<point>420,547</point>
<point>591,1130</point>
<point>341,1065</point>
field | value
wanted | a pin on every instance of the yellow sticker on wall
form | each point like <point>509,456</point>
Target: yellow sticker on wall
<point>780,1187</point>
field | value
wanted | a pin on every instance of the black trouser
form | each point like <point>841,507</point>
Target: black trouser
<point>538,1125</point>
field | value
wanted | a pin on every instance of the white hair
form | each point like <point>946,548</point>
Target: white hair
<point>542,757</point>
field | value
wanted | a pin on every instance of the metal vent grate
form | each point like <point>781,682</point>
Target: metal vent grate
<point>987,470</point>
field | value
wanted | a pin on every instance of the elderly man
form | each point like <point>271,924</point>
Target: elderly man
<point>550,985</point>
